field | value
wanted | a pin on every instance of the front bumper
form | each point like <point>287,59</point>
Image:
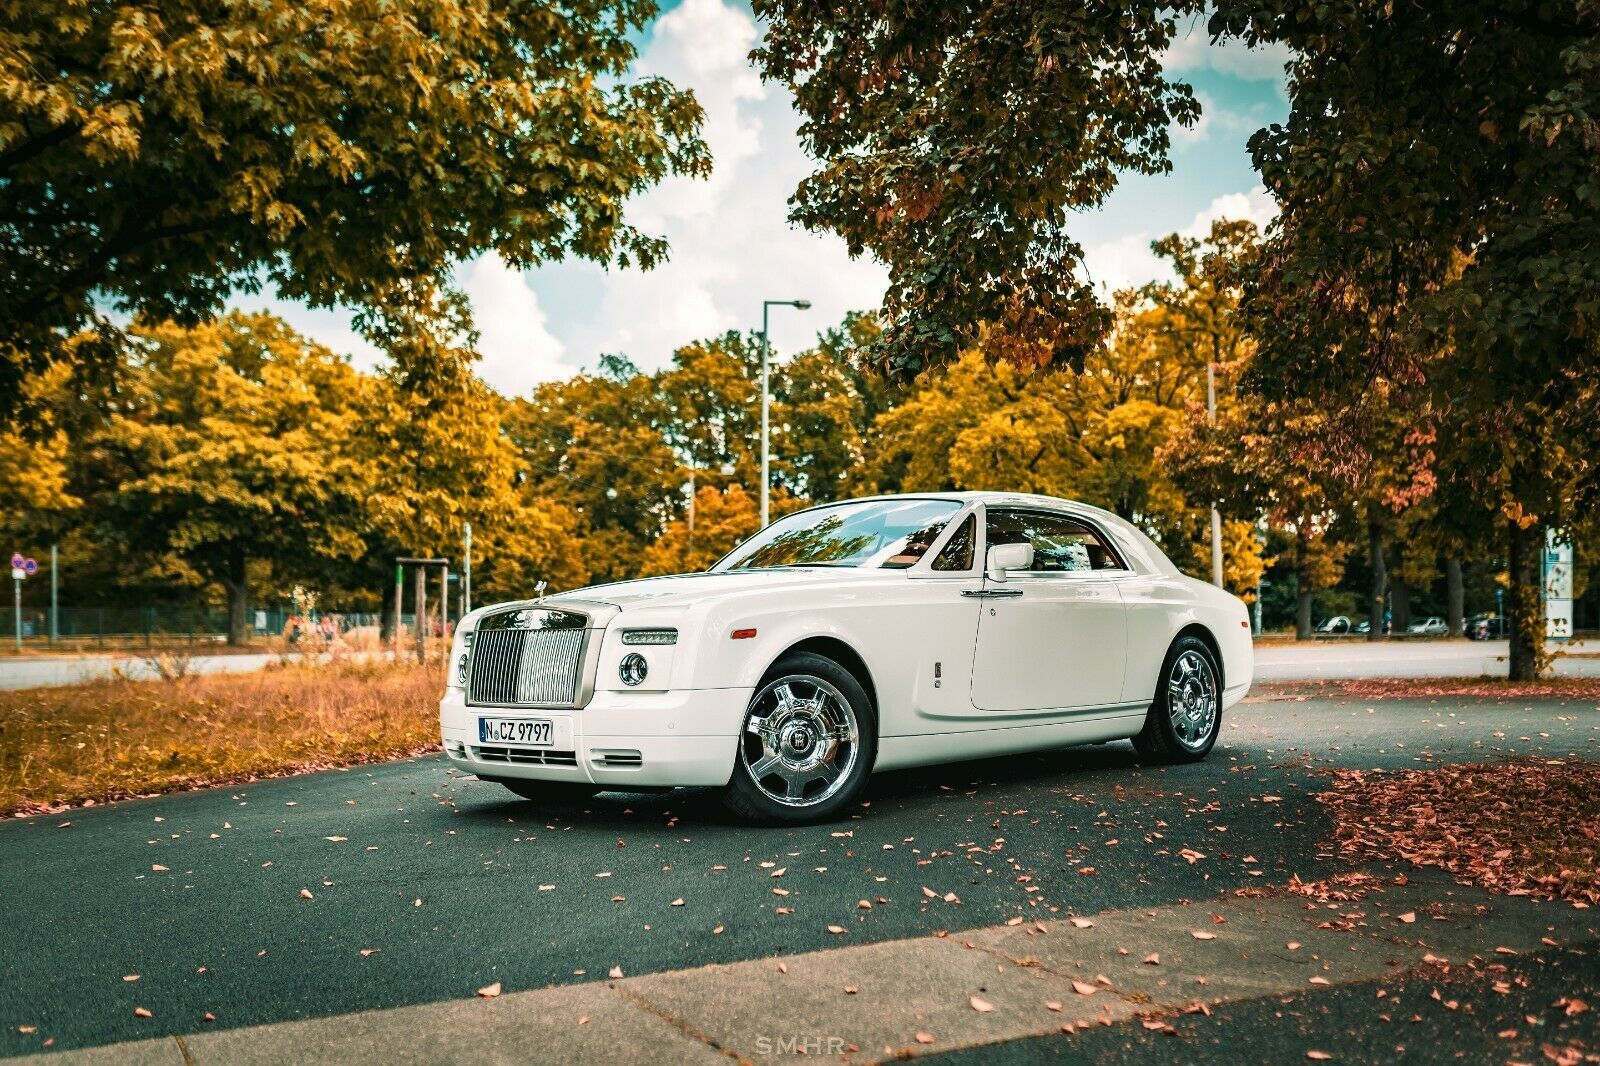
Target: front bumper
<point>620,740</point>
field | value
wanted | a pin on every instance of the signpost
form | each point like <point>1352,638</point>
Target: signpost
<point>1557,587</point>
<point>22,567</point>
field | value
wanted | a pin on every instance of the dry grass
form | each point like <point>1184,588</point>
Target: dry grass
<point>112,739</point>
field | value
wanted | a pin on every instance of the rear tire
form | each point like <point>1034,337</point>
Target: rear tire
<point>806,745</point>
<point>547,793</point>
<point>1186,715</point>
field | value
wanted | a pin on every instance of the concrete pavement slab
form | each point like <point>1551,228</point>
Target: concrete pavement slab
<point>1248,954</point>
<point>579,1023</point>
<point>902,988</point>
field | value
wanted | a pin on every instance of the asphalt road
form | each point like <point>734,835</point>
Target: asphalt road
<point>200,898</point>
<point>47,671</point>
<point>1356,658</point>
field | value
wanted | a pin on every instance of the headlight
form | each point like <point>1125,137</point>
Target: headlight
<point>461,659</point>
<point>633,669</point>
<point>664,635</point>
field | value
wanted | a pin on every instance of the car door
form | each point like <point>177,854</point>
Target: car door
<point>1054,637</point>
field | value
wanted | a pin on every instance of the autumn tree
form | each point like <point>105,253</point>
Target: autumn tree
<point>156,156</point>
<point>953,142</point>
<point>595,442</point>
<point>226,444</point>
<point>1440,212</point>
<point>437,457</point>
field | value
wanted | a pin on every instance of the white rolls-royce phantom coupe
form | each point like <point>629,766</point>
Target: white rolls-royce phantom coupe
<point>866,635</point>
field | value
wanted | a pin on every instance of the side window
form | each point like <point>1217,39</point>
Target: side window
<point>957,554</point>
<point>1059,543</point>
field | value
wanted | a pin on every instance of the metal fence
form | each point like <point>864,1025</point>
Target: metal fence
<point>100,626</point>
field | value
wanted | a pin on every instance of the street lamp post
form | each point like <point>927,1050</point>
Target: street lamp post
<point>766,397</point>
<point>1216,516</point>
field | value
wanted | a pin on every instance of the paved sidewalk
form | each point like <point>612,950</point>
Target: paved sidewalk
<point>975,988</point>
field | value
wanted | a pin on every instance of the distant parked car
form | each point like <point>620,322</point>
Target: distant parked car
<point>1337,624</point>
<point>1366,627</point>
<point>1429,627</point>
<point>1486,627</point>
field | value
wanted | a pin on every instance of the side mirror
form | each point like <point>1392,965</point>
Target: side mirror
<point>1003,557</point>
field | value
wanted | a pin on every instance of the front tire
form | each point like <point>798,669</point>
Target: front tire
<point>807,744</point>
<point>1186,715</point>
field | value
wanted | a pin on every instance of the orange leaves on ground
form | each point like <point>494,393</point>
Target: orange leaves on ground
<point>1488,824</point>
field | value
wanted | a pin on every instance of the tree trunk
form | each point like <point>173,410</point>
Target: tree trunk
<point>1302,589</point>
<point>1522,602</point>
<point>1401,598</point>
<point>1455,596</point>
<point>238,585</point>
<point>385,619</point>
<point>1380,581</point>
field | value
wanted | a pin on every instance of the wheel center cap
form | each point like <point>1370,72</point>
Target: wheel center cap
<point>798,739</point>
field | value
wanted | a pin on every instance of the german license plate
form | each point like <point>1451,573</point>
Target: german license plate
<point>528,732</point>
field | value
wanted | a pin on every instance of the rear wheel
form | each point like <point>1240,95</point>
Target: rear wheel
<point>807,746</point>
<point>1186,715</point>
<point>549,793</point>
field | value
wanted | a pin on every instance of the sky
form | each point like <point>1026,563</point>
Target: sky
<point>732,245</point>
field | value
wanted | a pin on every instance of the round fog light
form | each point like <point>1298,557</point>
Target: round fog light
<point>633,669</point>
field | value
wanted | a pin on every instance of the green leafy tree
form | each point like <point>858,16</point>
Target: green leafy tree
<point>953,142</point>
<point>157,155</point>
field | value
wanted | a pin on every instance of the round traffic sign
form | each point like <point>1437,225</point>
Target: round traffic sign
<point>30,566</point>
<point>17,560</point>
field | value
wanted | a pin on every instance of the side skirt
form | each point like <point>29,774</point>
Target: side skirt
<point>896,753</point>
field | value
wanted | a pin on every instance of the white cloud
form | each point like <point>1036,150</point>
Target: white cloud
<point>1192,50</point>
<point>731,243</point>
<point>1128,262</point>
<point>518,350</point>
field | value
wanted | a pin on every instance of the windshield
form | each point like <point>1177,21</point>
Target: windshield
<point>873,533</point>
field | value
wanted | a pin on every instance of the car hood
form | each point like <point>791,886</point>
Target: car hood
<point>685,589</point>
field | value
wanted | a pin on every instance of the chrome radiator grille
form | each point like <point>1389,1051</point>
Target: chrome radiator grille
<point>525,666</point>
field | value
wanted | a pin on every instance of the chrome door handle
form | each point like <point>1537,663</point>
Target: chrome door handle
<point>980,593</point>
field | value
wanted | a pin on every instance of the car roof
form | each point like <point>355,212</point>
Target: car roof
<point>985,496</point>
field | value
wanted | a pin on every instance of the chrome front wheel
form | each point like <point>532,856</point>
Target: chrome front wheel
<point>802,739</point>
<point>807,743</point>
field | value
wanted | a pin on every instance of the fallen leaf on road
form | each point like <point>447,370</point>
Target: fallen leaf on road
<point>130,977</point>
<point>490,991</point>
<point>208,1017</point>
<point>1408,917</point>
<point>851,990</point>
<point>1153,959</point>
<point>336,840</point>
<point>367,953</point>
<point>156,867</point>
<point>1320,1056</point>
<point>1052,1004</point>
<point>930,893</point>
<point>1083,988</point>
<point>836,929</point>
<point>1199,934</point>
<point>1319,980</point>
<point>1082,923</point>
<point>677,902</point>
<point>924,1038</point>
<point>780,892</point>
<point>982,1006</point>
<point>616,972</point>
<point>140,1012</point>
<point>305,893</point>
